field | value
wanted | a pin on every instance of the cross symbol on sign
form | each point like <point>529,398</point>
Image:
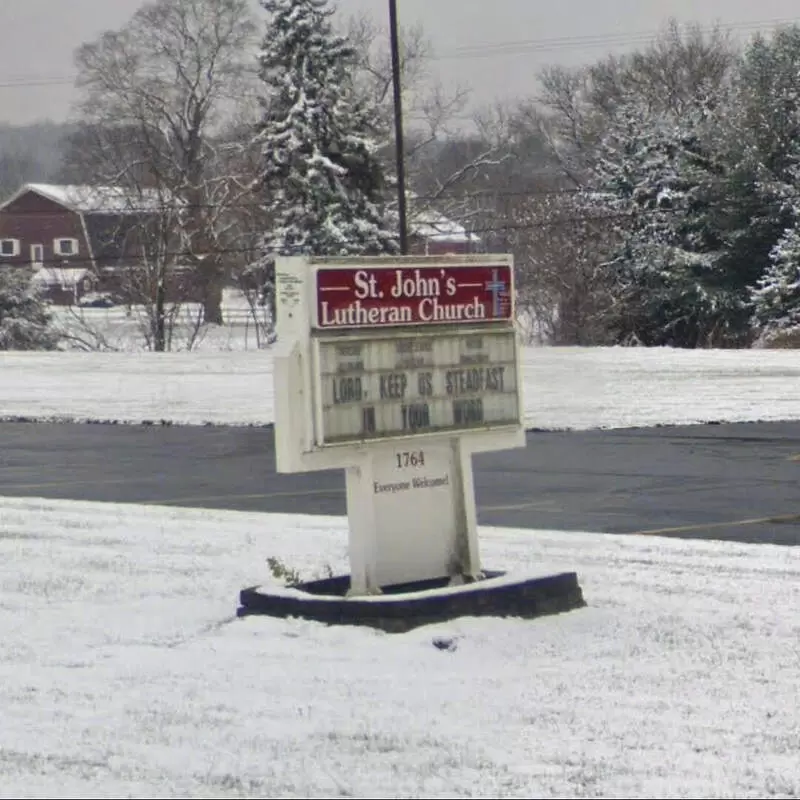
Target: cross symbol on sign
<point>497,288</point>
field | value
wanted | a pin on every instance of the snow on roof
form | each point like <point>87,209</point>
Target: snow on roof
<point>439,228</point>
<point>111,199</point>
<point>68,277</point>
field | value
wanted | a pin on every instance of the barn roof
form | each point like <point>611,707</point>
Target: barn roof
<point>97,199</point>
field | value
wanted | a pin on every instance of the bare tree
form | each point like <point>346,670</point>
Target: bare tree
<point>154,97</point>
<point>136,234</point>
<point>684,68</point>
<point>566,117</point>
<point>374,77</point>
<point>444,154</point>
<point>561,253</point>
<point>527,206</point>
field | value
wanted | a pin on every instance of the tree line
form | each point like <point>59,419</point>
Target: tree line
<point>684,160</point>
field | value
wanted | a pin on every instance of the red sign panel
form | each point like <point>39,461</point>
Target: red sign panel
<point>383,296</point>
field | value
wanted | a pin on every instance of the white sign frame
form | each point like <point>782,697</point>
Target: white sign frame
<point>372,548</point>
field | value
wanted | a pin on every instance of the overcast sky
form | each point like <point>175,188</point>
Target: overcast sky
<point>494,46</point>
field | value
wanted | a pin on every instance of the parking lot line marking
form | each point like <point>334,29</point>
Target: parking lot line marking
<point>57,484</point>
<point>739,523</point>
<point>253,496</point>
<point>546,505</point>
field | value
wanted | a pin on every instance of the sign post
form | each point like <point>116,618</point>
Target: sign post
<point>398,370</point>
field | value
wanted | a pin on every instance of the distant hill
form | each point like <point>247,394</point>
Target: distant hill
<point>30,153</point>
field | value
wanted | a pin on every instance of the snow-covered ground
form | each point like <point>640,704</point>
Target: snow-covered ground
<point>124,672</point>
<point>564,387</point>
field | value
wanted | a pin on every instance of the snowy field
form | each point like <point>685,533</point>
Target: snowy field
<point>564,387</point>
<point>124,672</point>
<point>122,330</point>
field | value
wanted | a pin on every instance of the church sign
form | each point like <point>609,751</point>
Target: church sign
<point>394,296</point>
<point>398,370</point>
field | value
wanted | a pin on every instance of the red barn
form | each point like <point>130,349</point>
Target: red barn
<point>75,239</point>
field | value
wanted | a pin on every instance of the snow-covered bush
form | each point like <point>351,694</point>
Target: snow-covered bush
<point>24,320</point>
<point>776,298</point>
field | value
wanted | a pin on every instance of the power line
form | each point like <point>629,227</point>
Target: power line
<point>521,46</point>
<point>500,48</point>
<point>156,208</point>
<point>24,83</point>
<point>538,225</point>
<point>85,262</point>
<point>428,201</point>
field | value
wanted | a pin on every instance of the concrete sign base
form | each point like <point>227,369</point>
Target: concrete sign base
<point>407,606</point>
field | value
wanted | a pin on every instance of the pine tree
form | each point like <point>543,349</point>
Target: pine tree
<point>24,321</point>
<point>765,130</point>
<point>767,105</point>
<point>321,178</point>
<point>776,298</point>
<point>656,177</point>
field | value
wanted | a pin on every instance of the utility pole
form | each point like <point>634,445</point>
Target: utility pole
<point>398,128</point>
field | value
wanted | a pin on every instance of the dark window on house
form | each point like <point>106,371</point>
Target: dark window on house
<point>9,247</point>
<point>66,247</point>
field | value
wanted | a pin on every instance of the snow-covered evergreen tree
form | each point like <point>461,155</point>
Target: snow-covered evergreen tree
<point>765,134</point>
<point>24,321</point>
<point>776,298</point>
<point>766,114</point>
<point>655,177</point>
<point>322,181</point>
